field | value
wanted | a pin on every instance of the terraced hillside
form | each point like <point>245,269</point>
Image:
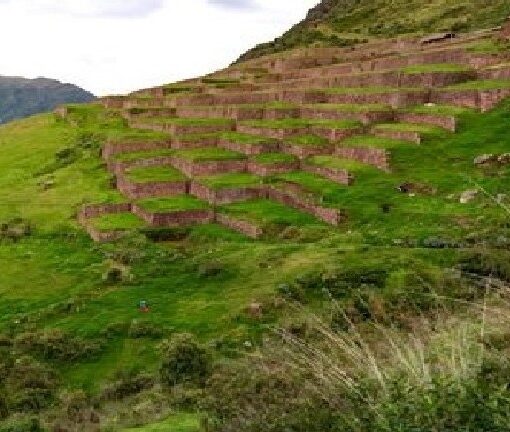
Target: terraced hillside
<point>280,129</point>
<point>366,186</point>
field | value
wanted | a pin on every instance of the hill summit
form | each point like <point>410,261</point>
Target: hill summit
<point>348,22</point>
<point>22,97</point>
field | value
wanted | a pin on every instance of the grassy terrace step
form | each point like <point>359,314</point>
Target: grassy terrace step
<point>369,90</point>
<point>307,141</point>
<point>302,123</point>
<point>273,158</point>
<point>317,187</point>
<point>140,155</point>
<point>431,68</point>
<point>336,163</point>
<point>265,213</point>
<point>409,127</point>
<point>480,85</point>
<point>117,222</point>
<point>439,110</point>
<point>209,154</point>
<point>351,108</point>
<point>242,138</point>
<point>373,141</point>
<point>172,204</point>
<point>154,174</point>
<point>134,135</point>
<point>188,121</point>
<point>233,180</point>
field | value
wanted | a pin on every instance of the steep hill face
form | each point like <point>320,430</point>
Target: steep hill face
<point>21,97</point>
<point>347,22</point>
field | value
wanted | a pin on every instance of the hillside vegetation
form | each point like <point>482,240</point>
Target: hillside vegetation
<point>347,22</point>
<point>20,97</point>
<point>308,243</point>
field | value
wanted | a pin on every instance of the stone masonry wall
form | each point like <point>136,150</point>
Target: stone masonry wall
<point>176,218</point>
<point>445,122</point>
<point>239,225</point>
<point>248,149</point>
<point>331,114</point>
<point>411,136</point>
<point>380,158</point>
<point>303,152</point>
<point>340,176</point>
<point>264,170</point>
<point>226,196</point>
<point>118,167</point>
<point>205,168</point>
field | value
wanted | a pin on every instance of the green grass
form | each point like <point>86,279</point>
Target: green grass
<point>139,155</point>
<point>231,180</point>
<point>189,121</point>
<point>154,174</point>
<point>487,46</point>
<point>209,154</point>
<point>278,124</point>
<point>273,158</point>
<point>409,127</point>
<point>307,140</point>
<point>265,213</point>
<point>372,141</point>
<point>336,163</point>
<point>247,139</point>
<point>174,203</point>
<point>481,85</point>
<point>175,423</point>
<point>442,110</point>
<point>431,68</point>
<point>117,222</point>
<point>370,90</point>
<point>355,108</point>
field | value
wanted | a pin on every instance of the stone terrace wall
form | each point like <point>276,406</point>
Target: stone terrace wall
<point>303,152</point>
<point>248,149</point>
<point>489,99</point>
<point>239,225</point>
<point>273,133</point>
<point>118,167</point>
<point>147,190</point>
<point>88,212</point>
<point>221,112</point>
<point>397,99</point>
<point>328,215</point>
<point>333,134</point>
<point>280,114</point>
<point>113,102</point>
<point>505,30</point>
<point>445,122</point>
<point>380,158</point>
<point>495,73</point>
<point>174,219</point>
<point>264,170</point>
<point>331,114</point>
<point>302,97</point>
<point>205,168</point>
<point>114,148</point>
<point>411,136</point>
<point>464,98</point>
<point>226,196</point>
<point>340,176</point>
<point>204,141</point>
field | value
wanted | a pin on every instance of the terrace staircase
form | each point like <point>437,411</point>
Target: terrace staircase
<point>236,134</point>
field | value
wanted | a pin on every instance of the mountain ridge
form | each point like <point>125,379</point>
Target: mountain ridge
<point>21,97</point>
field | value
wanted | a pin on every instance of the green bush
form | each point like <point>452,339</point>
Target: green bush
<point>22,424</point>
<point>184,361</point>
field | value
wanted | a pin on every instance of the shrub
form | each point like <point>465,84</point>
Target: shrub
<point>22,424</point>
<point>144,329</point>
<point>184,361</point>
<point>54,344</point>
<point>127,383</point>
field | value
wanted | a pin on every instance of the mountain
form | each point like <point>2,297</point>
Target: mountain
<point>347,22</point>
<point>21,97</point>
<point>312,241</point>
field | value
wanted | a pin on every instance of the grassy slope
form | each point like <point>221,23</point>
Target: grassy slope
<point>343,22</point>
<point>58,264</point>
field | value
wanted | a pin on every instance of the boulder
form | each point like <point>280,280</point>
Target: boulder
<point>485,159</point>
<point>504,159</point>
<point>468,196</point>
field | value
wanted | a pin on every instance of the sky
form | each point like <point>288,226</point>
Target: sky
<point>117,46</point>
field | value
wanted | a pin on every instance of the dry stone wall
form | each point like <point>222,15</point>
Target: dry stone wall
<point>152,189</point>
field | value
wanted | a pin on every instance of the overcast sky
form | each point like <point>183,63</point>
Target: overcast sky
<point>115,46</point>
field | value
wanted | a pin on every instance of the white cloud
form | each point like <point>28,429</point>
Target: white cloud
<point>115,46</point>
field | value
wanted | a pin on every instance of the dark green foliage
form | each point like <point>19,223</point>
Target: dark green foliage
<point>184,361</point>
<point>15,229</point>
<point>22,424</point>
<point>127,383</point>
<point>487,263</point>
<point>57,345</point>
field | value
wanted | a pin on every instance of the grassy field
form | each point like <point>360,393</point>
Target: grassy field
<point>209,154</point>
<point>55,277</point>
<point>154,174</point>
<point>176,203</point>
<point>119,221</point>
<point>178,423</point>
